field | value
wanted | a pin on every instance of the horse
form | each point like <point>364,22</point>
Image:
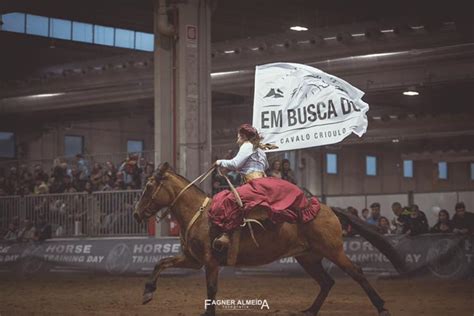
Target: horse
<point>309,243</point>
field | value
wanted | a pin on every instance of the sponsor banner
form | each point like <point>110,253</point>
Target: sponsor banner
<point>108,255</point>
<point>297,106</point>
<point>446,256</point>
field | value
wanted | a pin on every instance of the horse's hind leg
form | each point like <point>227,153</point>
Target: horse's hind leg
<point>312,265</point>
<point>171,262</point>
<point>343,262</point>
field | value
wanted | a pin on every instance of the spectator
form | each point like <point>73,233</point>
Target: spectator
<point>443,225</point>
<point>365,214</point>
<point>374,213</point>
<point>96,177</point>
<point>59,169</point>
<point>462,222</point>
<point>44,230</point>
<point>424,219</point>
<point>75,181</point>
<point>131,172</point>
<point>353,211</point>
<point>400,219</point>
<point>275,170</point>
<point>25,188</point>
<point>27,232</point>
<point>68,186</point>
<point>119,183</point>
<point>12,182</point>
<point>111,171</point>
<point>39,174</point>
<point>88,187</point>
<point>83,168</point>
<point>142,163</point>
<point>108,183</point>
<point>56,185</point>
<point>416,223</point>
<point>12,233</point>
<point>41,187</point>
<point>26,180</point>
<point>286,172</point>
<point>147,173</point>
<point>384,225</point>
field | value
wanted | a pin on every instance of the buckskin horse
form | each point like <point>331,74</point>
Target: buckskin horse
<point>309,243</point>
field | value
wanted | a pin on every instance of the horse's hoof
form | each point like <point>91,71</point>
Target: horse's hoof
<point>384,313</point>
<point>147,297</point>
<point>308,312</point>
<point>208,313</point>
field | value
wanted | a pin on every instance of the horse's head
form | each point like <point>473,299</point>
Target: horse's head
<point>156,194</point>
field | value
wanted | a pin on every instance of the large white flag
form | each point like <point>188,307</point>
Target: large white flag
<point>297,106</point>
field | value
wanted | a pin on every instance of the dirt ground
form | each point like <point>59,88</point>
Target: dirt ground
<point>93,295</point>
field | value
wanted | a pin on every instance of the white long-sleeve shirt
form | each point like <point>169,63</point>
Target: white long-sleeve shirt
<point>247,160</point>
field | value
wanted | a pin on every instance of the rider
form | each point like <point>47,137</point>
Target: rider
<point>251,162</point>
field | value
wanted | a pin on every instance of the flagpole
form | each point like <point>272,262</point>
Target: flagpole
<point>323,197</point>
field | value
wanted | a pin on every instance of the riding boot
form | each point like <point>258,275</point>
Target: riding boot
<point>222,242</point>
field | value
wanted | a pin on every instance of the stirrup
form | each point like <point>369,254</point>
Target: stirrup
<point>219,244</point>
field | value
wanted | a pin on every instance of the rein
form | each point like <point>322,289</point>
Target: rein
<point>203,206</point>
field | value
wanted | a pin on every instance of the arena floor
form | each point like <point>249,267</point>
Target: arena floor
<point>93,295</point>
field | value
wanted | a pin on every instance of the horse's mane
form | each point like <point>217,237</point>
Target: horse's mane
<point>183,179</point>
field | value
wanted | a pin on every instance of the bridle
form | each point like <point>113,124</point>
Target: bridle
<point>158,218</point>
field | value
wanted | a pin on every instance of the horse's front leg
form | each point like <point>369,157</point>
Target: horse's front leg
<point>212,274</point>
<point>180,261</point>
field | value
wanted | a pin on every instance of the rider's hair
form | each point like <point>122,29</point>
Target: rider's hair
<point>252,135</point>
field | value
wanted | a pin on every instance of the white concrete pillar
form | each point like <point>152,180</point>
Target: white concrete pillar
<point>182,91</point>
<point>194,89</point>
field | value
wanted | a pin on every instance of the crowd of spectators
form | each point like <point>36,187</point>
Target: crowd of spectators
<point>132,173</point>
<point>410,220</point>
<point>78,176</point>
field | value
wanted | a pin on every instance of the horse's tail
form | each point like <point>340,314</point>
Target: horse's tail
<point>374,237</point>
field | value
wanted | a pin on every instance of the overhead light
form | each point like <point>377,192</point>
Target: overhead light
<point>298,28</point>
<point>395,140</point>
<point>44,95</point>
<point>411,93</point>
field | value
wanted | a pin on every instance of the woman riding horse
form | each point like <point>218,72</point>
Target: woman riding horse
<point>283,201</point>
<point>296,230</point>
<point>251,162</point>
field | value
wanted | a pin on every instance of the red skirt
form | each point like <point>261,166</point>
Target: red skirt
<point>284,201</point>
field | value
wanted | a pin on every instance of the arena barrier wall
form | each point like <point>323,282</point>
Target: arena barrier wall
<point>446,256</point>
<point>109,213</point>
<point>103,213</point>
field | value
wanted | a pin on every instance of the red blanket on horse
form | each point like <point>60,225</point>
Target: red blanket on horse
<point>284,201</point>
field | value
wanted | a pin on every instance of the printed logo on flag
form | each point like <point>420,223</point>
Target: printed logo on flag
<point>297,106</point>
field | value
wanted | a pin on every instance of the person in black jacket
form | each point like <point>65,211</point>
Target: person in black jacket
<point>443,225</point>
<point>462,222</point>
<point>417,223</point>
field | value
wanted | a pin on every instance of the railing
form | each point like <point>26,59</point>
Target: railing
<point>78,214</point>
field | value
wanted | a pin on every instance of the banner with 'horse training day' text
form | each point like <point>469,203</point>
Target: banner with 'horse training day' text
<point>297,106</point>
